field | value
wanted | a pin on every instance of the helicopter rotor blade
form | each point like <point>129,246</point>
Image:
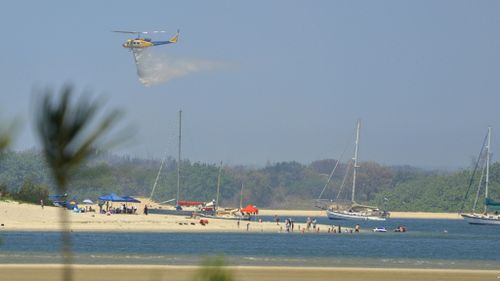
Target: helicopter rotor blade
<point>131,32</point>
<point>139,32</point>
<point>154,31</point>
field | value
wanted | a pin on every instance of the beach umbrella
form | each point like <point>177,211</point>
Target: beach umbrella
<point>88,201</point>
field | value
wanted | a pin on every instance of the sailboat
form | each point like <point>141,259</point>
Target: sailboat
<point>353,210</point>
<point>489,204</point>
<point>178,210</point>
<point>213,209</point>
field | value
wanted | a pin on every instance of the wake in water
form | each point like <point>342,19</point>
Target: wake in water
<point>154,67</point>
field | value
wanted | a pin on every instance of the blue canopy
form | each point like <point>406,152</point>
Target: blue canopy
<point>131,199</point>
<point>113,198</point>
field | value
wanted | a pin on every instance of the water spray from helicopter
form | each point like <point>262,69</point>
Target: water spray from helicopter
<point>155,67</point>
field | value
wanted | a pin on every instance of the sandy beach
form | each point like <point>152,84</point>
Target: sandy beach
<point>240,273</point>
<point>425,215</point>
<point>28,217</point>
<point>394,215</point>
<point>16,216</point>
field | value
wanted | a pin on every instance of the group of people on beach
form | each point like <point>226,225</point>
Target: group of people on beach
<point>123,209</point>
<point>311,226</point>
<point>289,223</point>
<point>338,229</point>
<point>87,209</point>
<point>311,223</point>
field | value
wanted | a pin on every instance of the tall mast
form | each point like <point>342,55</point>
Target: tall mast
<point>158,176</point>
<point>218,187</point>
<point>355,161</point>
<point>241,196</point>
<point>179,159</point>
<point>487,165</point>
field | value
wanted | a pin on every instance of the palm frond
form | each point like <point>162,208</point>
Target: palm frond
<point>69,132</point>
<point>7,130</point>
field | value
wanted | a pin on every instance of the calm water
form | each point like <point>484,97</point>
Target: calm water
<point>428,244</point>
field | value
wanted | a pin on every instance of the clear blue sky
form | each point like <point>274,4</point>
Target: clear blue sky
<point>423,76</point>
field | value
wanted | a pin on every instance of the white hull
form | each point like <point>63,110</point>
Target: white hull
<point>339,215</point>
<point>482,219</point>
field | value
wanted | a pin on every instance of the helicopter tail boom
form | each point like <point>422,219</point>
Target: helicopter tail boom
<point>172,40</point>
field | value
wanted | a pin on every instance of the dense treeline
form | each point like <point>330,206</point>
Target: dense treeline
<point>29,192</point>
<point>280,185</point>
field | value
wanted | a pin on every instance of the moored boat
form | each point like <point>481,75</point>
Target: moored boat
<point>352,210</point>
<point>484,218</point>
<point>369,213</point>
<point>379,229</point>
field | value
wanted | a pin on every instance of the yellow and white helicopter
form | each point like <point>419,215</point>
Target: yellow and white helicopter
<point>142,43</point>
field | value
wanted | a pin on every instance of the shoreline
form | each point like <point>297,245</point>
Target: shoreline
<point>103,272</point>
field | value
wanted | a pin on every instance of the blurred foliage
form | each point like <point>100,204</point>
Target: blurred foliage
<point>69,131</point>
<point>6,132</point>
<point>213,269</point>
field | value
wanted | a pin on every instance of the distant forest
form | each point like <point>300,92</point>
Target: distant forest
<point>284,185</point>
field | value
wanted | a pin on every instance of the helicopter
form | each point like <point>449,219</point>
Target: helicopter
<point>142,43</point>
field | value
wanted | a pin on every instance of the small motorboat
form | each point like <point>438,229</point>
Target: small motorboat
<point>379,229</point>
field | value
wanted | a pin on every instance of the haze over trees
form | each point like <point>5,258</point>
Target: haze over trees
<point>287,185</point>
